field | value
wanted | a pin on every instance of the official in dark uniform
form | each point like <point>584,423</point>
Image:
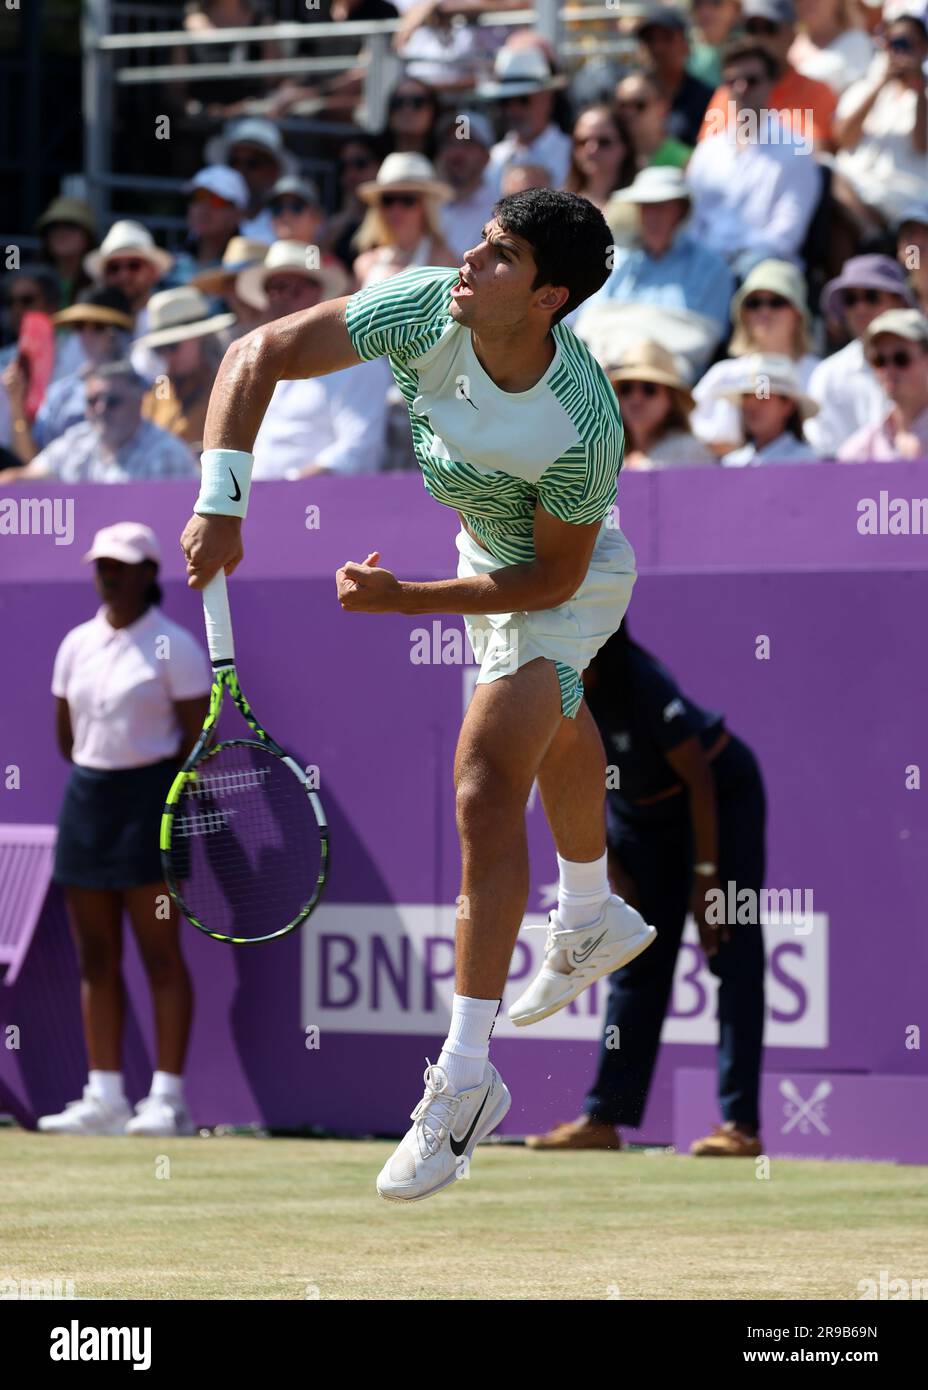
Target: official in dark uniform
<point>685,818</point>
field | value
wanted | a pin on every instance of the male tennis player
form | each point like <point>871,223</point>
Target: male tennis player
<point>516,426</point>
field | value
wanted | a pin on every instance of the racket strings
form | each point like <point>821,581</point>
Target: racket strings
<point>245,849</point>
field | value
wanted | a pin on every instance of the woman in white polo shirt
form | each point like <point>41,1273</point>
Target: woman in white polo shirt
<point>132,689</point>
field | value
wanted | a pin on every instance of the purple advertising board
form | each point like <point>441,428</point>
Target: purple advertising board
<point>793,599</point>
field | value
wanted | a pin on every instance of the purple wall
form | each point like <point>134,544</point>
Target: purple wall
<point>836,716</point>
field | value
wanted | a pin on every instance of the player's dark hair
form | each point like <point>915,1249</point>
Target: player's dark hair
<point>569,237</point>
<point>739,49</point>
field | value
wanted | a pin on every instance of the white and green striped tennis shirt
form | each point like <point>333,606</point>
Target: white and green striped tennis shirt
<point>493,455</point>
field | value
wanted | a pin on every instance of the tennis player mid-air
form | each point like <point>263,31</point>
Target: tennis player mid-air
<point>516,426</point>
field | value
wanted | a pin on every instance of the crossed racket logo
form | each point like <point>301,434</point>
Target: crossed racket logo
<point>805,1115</point>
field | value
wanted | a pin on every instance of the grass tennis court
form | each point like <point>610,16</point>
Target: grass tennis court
<point>281,1219</point>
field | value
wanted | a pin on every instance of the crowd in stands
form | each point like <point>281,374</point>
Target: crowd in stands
<point>763,167</point>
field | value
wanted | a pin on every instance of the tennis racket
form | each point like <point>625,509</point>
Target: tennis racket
<point>244,840</point>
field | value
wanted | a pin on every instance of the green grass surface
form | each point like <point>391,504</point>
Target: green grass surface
<point>282,1218</point>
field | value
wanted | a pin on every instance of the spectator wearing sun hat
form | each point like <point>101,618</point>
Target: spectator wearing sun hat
<point>187,336</point>
<point>773,409</point>
<point>462,159</point>
<point>334,423</point>
<point>131,690</point>
<point>254,147</point>
<point>896,348</point>
<point>850,396</point>
<point>129,260</point>
<point>218,283</point>
<point>102,324</point>
<point>402,226</point>
<point>67,231</point>
<point>656,404</point>
<point>218,198</point>
<point>770,315</point>
<point>523,86</point>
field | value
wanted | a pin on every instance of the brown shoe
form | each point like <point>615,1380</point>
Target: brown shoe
<point>576,1134</point>
<point>728,1141</point>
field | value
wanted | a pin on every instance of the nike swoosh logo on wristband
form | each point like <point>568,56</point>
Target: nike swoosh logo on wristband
<point>236,497</point>
<point>459,1145</point>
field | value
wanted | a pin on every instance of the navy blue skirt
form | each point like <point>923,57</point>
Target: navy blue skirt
<point>109,825</point>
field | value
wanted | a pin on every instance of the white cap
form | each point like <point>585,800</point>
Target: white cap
<point>224,182</point>
<point>128,541</point>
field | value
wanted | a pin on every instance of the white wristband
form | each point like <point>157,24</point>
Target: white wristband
<point>225,482</point>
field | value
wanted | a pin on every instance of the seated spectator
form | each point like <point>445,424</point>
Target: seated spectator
<point>358,161</point>
<point>334,423</point>
<point>184,334</point>
<point>463,162</point>
<point>218,199</point>
<point>896,345</point>
<point>114,444</point>
<point>413,111</point>
<point>254,147</point>
<point>218,96</point>
<point>663,31</point>
<point>402,226</point>
<point>771,25</point>
<point>603,157</point>
<point>102,324</point>
<point>753,199</point>
<point>831,43</point>
<point>715,21</point>
<point>667,278</point>
<point>218,284</point>
<point>912,251</point>
<point>439,52</point>
<point>641,103</point>
<point>129,260</point>
<point>67,231</point>
<point>770,315</point>
<point>297,214</point>
<point>773,410</point>
<point>848,392</point>
<point>881,131</point>
<point>31,289</point>
<point>521,175</point>
<point>656,405</point>
<point>524,88</point>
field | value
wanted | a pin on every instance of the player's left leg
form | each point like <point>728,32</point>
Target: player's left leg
<point>509,724</point>
<point>593,931</point>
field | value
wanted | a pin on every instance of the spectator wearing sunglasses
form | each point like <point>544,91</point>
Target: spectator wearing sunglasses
<point>663,31</point>
<point>603,157</point>
<point>850,395</point>
<point>896,348</point>
<point>218,200</point>
<point>297,215</point>
<point>113,444</point>
<point>129,260</point>
<point>254,148</point>
<point>882,131</point>
<point>101,324</point>
<point>524,89</point>
<point>773,409</point>
<point>402,226</point>
<point>772,25</point>
<point>770,315</point>
<point>412,116</point>
<point>189,340</point>
<point>656,406</point>
<point>645,112</point>
<point>753,200</point>
<point>831,43</point>
<point>358,161</point>
<point>714,23</point>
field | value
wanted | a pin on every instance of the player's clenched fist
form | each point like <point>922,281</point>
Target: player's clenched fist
<point>211,543</point>
<point>366,588</point>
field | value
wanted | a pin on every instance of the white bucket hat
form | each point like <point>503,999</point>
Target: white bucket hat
<point>251,130</point>
<point>519,72</point>
<point>128,541</point>
<point>772,374</point>
<point>405,173</point>
<point>126,239</point>
<point>290,256</point>
<point>655,184</point>
<point>176,315</point>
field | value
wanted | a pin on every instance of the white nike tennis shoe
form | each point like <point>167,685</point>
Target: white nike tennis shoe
<point>574,959</point>
<point>157,1117</point>
<point>89,1115</point>
<point>447,1127</point>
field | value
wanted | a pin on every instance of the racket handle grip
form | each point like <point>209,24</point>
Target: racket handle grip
<point>218,621</point>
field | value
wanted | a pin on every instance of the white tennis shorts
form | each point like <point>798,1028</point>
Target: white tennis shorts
<point>569,635</point>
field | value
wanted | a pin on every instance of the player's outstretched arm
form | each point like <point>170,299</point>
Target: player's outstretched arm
<point>313,342</point>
